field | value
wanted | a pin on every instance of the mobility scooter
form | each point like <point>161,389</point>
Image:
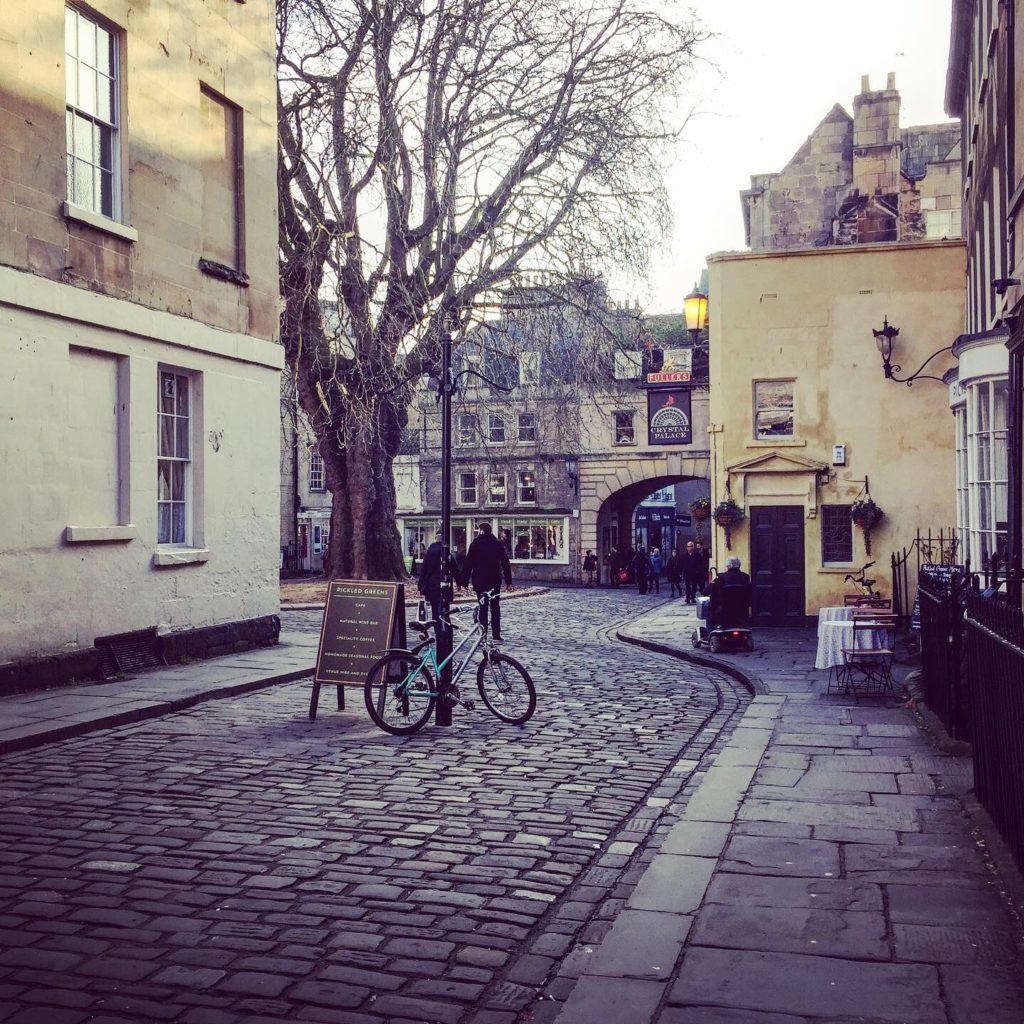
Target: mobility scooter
<point>730,630</point>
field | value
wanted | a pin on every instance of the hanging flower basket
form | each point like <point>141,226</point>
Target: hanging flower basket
<point>866,515</point>
<point>727,514</point>
<point>700,509</point>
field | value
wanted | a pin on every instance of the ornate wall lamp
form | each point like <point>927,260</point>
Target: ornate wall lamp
<point>572,468</point>
<point>884,340</point>
<point>695,311</point>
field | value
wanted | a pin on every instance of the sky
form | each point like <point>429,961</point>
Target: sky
<point>763,84</point>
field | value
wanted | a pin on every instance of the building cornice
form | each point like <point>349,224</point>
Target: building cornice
<point>959,49</point>
<point>834,250</point>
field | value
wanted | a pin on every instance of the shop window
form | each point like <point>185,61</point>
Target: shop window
<point>987,466</point>
<point>534,538</point>
<point>527,428</point>
<point>623,428</point>
<point>466,493</point>
<point>773,408</point>
<point>836,535</point>
<point>526,487</point>
<point>495,428</point>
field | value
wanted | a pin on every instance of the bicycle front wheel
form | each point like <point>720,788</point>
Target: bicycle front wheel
<point>506,688</point>
<point>399,693</point>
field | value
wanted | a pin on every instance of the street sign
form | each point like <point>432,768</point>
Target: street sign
<point>361,619</point>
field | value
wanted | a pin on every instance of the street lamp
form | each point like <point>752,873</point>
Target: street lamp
<point>695,311</point>
<point>572,469</point>
<point>884,339</point>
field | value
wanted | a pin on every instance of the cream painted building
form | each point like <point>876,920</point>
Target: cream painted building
<point>138,313</point>
<point>794,373</point>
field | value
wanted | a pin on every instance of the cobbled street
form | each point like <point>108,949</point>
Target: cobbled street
<point>237,862</point>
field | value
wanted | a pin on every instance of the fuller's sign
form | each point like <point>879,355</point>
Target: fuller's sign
<point>669,417</point>
<point>676,367</point>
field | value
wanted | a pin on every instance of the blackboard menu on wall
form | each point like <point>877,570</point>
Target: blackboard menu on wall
<point>359,622</point>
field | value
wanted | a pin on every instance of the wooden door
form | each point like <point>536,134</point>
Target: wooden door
<point>777,564</point>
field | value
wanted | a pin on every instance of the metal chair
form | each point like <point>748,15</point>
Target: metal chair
<point>867,663</point>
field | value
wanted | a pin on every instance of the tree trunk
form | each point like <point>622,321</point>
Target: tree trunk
<point>364,541</point>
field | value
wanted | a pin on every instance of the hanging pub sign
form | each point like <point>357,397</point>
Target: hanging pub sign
<point>676,367</point>
<point>361,619</point>
<point>668,417</point>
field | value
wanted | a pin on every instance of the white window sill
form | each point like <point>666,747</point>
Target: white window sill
<point>99,534</point>
<point>833,568</point>
<point>776,442</point>
<point>99,222</point>
<point>180,556</point>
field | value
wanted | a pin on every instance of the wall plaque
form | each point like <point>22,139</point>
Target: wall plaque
<point>361,619</point>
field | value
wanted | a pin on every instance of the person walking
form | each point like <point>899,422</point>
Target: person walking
<point>589,567</point>
<point>656,567</point>
<point>641,570</point>
<point>693,573</point>
<point>705,568</point>
<point>674,573</point>
<point>431,575</point>
<point>485,566</point>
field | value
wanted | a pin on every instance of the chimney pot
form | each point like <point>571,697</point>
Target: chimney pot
<point>891,80</point>
<point>865,83</point>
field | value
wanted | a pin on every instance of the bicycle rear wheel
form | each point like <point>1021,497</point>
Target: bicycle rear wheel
<point>506,688</point>
<point>399,693</point>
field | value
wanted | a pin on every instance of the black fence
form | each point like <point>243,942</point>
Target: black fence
<point>929,548</point>
<point>994,676</point>
<point>939,608</point>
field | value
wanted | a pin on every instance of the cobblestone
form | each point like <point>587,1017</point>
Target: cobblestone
<point>262,866</point>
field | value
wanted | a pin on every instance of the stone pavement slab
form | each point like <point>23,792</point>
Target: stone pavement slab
<point>848,885</point>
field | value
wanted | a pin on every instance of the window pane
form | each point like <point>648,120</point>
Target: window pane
<point>83,184</point>
<point>86,89</point>
<point>105,98</point>
<point>983,465</point>
<point>182,448</point>
<point>182,389</point>
<point>177,481</point>
<point>168,389</point>
<point>984,509</point>
<point>458,541</point>
<point>104,51</point>
<point>999,398</point>
<point>178,523</point>
<point>70,30</point>
<point>87,41</point>
<point>163,481</point>
<point>163,528</point>
<point>836,533</point>
<point>166,431</point>
<point>105,193</point>
<point>981,410</point>
<point>82,142</point>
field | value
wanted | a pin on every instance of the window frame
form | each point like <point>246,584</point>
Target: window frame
<point>461,490</point>
<point>317,470</point>
<point>532,428</point>
<point>467,425</point>
<point>74,113</point>
<point>236,113</point>
<point>492,477</point>
<point>616,429</point>
<point>526,471</point>
<point>529,369</point>
<point>823,515</point>
<point>983,490</point>
<point>758,409</point>
<point>494,419</point>
<point>187,502</point>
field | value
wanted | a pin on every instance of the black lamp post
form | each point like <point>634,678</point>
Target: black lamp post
<point>443,629</point>
<point>884,339</point>
<point>695,312</point>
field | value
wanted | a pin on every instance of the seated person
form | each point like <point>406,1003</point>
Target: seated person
<point>730,598</point>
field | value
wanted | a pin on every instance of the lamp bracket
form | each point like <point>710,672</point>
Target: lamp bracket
<point>891,369</point>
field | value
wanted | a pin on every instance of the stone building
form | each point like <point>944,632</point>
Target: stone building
<point>983,85</point>
<point>556,468</point>
<point>860,230</point>
<point>139,307</point>
<point>860,179</point>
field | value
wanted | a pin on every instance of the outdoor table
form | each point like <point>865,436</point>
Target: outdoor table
<point>834,613</point>
<point>834,636</point>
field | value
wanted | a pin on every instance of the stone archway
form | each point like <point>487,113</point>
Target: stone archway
<point>623,482</point>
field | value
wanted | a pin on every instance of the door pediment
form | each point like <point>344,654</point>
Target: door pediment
<point>779,478</point>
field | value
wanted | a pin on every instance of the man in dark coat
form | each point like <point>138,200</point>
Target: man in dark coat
<point>730,597</point>
<point>694,572</point>
<point>486,564</point>
<point>431,575</point>
<point>705,567</point>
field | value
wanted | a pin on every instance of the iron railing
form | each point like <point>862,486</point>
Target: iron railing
<point>940,611</point>
<point>994,678</point>
<point>925,549</point>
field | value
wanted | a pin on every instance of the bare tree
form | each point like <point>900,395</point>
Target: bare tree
<point>430,151</point>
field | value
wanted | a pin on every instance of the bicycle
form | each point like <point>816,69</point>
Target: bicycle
<point>400,689</point>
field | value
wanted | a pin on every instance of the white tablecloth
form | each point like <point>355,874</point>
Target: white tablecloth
<point>833,613</point>
<point>834,636</point>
